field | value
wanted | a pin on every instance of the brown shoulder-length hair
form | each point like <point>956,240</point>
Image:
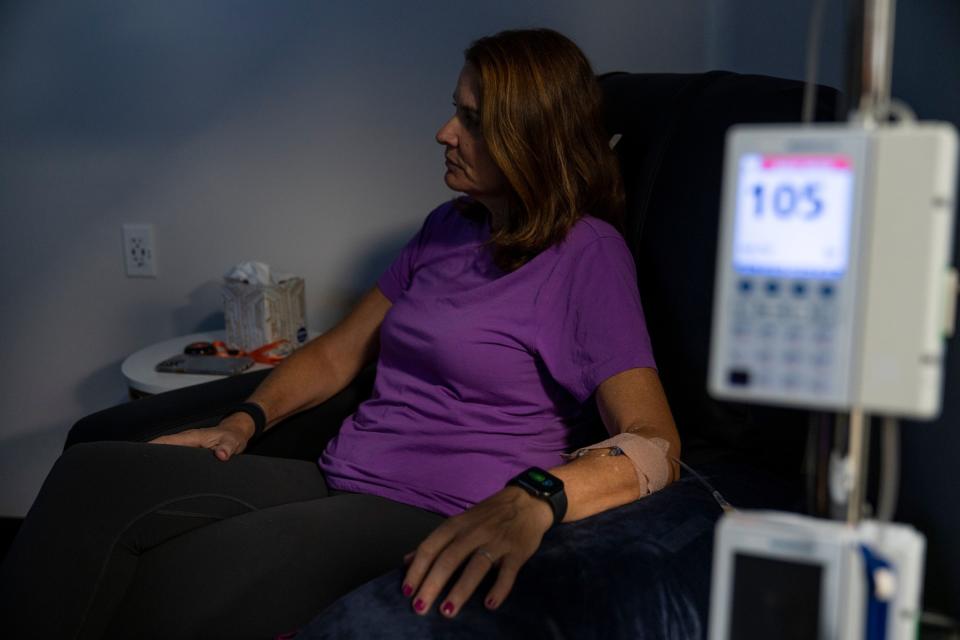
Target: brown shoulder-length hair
<point>540,112</point>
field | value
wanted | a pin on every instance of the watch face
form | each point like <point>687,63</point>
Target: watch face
<point>541,482</point>
<point>545,486</point>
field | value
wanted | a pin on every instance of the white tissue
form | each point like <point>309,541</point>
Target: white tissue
<point>253,272</point>
<point>249,273</point>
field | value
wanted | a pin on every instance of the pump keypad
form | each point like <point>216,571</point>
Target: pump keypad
<point>783,333</point>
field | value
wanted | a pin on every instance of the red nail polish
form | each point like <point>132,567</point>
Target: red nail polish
<point>447,608</point>
<point>419,604</point>
<point>407,590</point>
<point>491,603</point>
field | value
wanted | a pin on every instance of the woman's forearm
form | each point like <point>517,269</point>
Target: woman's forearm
<point>303,380</point>
<point>632,401</point>
<point>597,482</point>
<point>594,484</point>
<point>325,365</point>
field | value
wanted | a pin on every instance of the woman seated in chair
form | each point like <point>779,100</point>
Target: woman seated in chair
<point>512,308</point>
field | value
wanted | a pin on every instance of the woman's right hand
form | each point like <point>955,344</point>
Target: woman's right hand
<point>229,438</point>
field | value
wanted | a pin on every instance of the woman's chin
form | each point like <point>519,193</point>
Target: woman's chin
<point>453,182</point>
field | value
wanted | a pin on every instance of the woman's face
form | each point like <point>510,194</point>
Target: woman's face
<point>470,169</point>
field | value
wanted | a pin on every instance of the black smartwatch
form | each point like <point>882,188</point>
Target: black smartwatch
<point>546,486</point>
<point>256,412</point>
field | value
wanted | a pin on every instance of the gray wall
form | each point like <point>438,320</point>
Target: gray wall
<point>297,133</point>
<point>770,38</point>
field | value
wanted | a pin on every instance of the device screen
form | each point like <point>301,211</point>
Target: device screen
<point>793,215</point>
<point>775,598</point>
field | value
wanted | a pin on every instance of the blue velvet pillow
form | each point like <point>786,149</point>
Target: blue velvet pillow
<point>639,571</point>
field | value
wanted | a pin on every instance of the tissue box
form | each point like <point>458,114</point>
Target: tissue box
<point>258,314</point>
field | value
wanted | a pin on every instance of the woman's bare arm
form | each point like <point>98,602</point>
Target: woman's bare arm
<point>505,529</point>
<point>325,365</point>
<point>634,401</point>
<point>311,375</point>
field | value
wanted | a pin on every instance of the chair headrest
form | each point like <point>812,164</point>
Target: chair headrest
<point>673,128</point>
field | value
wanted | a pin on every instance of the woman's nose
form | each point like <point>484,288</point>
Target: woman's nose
<point>446,135</point>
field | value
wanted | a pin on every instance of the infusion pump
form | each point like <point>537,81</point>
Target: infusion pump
<point>782,575</point>
<point>834,288</point>
<point>834,291</point>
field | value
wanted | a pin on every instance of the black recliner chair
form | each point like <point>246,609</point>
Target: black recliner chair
<point>643,570</point>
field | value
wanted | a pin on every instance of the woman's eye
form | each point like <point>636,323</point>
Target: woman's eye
<point>469,117</point>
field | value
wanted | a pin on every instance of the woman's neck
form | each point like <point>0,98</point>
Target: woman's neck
<point>498,209</point>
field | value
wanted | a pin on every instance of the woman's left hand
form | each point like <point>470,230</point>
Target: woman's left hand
<point>503,531</point>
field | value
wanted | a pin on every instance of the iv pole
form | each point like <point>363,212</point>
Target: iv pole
<point>870,34</point>
<point>870,56</point>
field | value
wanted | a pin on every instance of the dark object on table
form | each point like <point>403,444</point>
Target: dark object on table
<point>643,570</point>
<point>200,349</point>
<point>205,365</point>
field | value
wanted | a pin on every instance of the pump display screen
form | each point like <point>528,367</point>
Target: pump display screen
<point>775,598</point>
<point>793,214</point>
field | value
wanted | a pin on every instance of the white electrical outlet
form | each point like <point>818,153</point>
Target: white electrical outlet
<point>139,252</point>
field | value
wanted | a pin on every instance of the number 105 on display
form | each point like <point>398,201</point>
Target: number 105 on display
<point>793,214</point>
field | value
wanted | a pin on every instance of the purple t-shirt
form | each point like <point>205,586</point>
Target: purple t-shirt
<point>481,373</point>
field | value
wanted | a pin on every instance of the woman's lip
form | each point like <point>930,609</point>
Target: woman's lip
<point>452,164</point>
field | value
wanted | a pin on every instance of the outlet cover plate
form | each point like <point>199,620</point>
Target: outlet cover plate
<point>139,252</point>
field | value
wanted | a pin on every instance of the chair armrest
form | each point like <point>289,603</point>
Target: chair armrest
<point>638,571</point>
<point>300,436</point>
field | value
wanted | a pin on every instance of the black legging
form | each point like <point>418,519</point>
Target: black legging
<point>130,540</point>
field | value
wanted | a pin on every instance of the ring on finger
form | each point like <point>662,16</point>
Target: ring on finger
<point>486,554</point>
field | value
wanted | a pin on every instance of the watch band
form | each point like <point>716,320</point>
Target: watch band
<point>558,502</point>
<point>256,413</point>
<point>545,486</point>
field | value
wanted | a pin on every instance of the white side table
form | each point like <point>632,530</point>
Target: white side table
<point>143,379</point>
